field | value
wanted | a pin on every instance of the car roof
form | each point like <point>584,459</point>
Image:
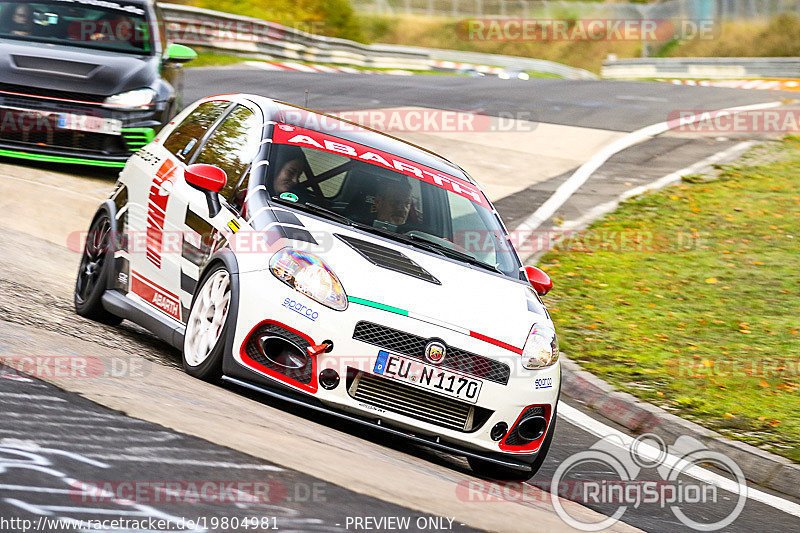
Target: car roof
<point>279,111</point>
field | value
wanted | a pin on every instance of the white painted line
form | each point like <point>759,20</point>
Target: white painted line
<point>31,396</point>
<point>579,177</point>
<point>159,436</point>
<point>59,189</point>
<point>170,461</point>
<point>105,427</point>
<point>88,417</point>
<point>673,177</point>
<point>46,490</point>
<point>582,420</point>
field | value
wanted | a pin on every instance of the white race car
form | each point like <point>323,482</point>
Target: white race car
<point>314,260</point>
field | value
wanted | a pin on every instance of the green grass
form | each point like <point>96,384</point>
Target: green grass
<point>689,298</point>
<point>210,59</point>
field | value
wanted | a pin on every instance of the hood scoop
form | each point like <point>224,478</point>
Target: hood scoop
<point>388,258</point>
<point>54,66</point>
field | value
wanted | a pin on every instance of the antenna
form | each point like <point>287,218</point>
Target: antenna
<point>306,101</point>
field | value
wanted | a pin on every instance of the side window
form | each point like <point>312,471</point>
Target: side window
<point>182,142</point>
<point>232,147</point>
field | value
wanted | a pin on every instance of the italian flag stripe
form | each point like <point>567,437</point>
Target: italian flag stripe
<point>429,320</point>
<point>376,305</point>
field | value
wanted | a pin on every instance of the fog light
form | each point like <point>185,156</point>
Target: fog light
<point>329,379</point>
<point>499,431</point>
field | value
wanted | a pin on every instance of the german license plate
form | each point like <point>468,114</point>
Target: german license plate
<point>428,377</point>
<point>89,123</point>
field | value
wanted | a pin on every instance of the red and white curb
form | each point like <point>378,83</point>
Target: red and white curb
<point>452,65</point>
<point>766,85</point>
<point>327,69</point>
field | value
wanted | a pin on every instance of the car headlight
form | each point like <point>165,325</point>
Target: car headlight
<point>307,273</point>
<point>541,348</point>
<point>135,98</point>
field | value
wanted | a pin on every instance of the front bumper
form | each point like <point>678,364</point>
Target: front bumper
<point>500,400</point>
<point>29,130</point>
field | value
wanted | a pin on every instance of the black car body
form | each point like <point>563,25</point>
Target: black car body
<point>83,81</point>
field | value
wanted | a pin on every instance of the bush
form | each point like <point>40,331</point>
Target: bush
<point>334,18</point>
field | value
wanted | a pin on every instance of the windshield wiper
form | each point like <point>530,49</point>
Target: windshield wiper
<point>444,250</point>
<point>381,231</point>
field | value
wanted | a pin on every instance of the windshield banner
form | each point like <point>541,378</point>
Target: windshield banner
<point>286,134</point>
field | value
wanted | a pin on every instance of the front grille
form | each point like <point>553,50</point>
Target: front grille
<point>414,346</point>
<point>388,258</point>
<point>254,352</point>
<point>415,402</point>
<point>62,95</point>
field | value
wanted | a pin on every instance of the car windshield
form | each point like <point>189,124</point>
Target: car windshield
<point>100,25</point>
<point>388,195</point>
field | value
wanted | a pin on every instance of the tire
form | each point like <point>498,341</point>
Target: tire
<point>488,470</point>
<point>207,325</point>
<point>97,262</point>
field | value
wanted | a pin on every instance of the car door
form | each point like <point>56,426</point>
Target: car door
<point>231,145</point>
<point>152,223</point>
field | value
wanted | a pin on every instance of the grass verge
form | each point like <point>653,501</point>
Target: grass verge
<point>211,59</point>
<point>688,298</point>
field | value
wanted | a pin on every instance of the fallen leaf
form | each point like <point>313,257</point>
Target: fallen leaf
<point>712,280</point>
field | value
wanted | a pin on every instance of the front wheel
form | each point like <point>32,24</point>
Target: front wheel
<point>207,325</point>
<point>96,262</point>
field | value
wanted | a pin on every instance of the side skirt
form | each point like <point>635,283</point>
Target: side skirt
<point>168,330</point>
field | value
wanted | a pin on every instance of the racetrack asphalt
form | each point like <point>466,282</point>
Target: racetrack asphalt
<point>609,105</point>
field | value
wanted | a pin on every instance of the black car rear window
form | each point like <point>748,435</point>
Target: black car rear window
<point>116,26</point>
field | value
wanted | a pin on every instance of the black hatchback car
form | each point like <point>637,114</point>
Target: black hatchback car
<point>85,81</point>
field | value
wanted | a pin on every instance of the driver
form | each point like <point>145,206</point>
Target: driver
<point>393,202</point>
<point>291,163</point>
<point>21,20</point>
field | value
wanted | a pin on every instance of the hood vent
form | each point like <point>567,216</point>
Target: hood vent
<point>54,66</point>
<point>388,258</point>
